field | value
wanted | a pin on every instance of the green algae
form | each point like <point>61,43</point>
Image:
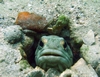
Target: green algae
<point>24,64</point>
<point>84,48</point>
<point>62,22</point>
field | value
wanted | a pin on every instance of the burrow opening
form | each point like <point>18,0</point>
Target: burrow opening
<point>74,47</point>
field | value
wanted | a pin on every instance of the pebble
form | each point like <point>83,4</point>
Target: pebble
<point>52,73</point>
<point>91,54</point>
<point>89,39</point>
<point>37,72</point>
<point>83,70</point>
<point>12,34</point>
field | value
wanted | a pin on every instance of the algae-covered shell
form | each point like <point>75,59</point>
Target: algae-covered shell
<point>62,22</point>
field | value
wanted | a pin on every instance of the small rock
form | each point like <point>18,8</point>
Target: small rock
<point>37,72</point>
<point>24,64</point>
<point>68,73</point>
<point>83,70</point>
<point>52,73</point>
<point>12,34</point>
<point>91,54</point>
<point>89,39</point>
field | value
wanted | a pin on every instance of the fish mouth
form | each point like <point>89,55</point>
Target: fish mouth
<point>50,52</point>
<point>50,58</point>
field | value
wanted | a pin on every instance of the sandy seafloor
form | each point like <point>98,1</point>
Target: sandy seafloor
<point>87,12</point>
<point>84,14</point>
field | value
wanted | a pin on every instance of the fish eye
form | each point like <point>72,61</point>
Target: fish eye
<point>65,45</point>
<point>41,43</point>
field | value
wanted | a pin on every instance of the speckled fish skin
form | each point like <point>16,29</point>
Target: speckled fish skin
<point>53,52</point>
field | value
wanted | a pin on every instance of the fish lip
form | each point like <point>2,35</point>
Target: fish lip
<point>51,52</point>
<point>50,55</point>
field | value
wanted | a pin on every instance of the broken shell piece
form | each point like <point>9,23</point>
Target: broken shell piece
<point>31,21</point>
